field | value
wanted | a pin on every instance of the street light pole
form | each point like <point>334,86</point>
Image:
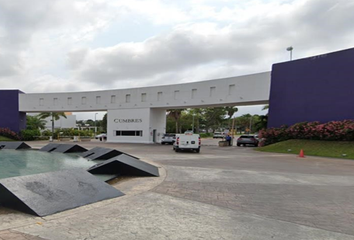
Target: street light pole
<point>193,124</point>
<point>290,49</point>
<point>251,124</point>
<point>95,125</point>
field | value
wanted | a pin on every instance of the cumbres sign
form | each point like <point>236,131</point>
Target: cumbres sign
<point>129,120</point>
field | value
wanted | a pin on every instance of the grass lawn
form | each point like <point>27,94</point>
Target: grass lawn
<point>5,139</point>
<point>334,149</point>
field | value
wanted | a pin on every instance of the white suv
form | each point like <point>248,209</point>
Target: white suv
<point>218,135</point>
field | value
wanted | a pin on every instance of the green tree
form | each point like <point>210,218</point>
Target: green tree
<point>196,115</point>
<point>34,123</point>
<point>243,122</point>
<point>170,124</point>
<point>90,122</point>
<point>176,115</point>
<point>261,122</point>
<point>104,123</point>
<point>230,112</point>
<point>80,123</point>
<point>55,116</point>
<point>214,117</point>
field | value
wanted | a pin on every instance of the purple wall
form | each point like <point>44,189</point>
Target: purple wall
<point>319,88</point>
<point>10,117</point>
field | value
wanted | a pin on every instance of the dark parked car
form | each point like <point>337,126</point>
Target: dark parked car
<point>168,138</point>
<point>247,139</point>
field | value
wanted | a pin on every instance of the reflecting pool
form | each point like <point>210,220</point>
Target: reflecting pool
<point>26,162</point>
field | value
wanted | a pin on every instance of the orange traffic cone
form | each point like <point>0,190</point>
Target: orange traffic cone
<point>302,155</point>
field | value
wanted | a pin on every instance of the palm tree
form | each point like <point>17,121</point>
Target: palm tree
<point>35,123</point>
<point>230,112</point>
<point>54,117</point>
<point>262,122</point>
<point>176,115</point>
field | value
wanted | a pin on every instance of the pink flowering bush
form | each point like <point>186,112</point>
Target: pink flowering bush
<point>330,131</point>
<point>9,134</point>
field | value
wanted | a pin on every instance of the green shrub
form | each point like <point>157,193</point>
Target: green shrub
<point>67,133</point>
<point>47,133</point>
<point>29,135</point>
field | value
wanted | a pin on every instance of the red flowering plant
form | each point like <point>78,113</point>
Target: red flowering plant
<point>272,135</point>
<point>9,134</point>
<point>331,131</point>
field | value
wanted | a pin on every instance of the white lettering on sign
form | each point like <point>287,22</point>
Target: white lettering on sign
<point>132,120</point>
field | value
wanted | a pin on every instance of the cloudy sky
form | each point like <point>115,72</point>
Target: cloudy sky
<point>75,45</point>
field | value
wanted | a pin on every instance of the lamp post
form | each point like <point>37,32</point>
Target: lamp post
<point>290,49</point>
<point>250,124</point>
<point>95,125</point>
<point>193,123</point>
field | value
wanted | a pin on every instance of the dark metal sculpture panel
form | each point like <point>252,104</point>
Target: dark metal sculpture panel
<point>49,193</point>
<point>14,145</point>
<point>99,153</point>
<point>124,165</point>
<point>63,148</point>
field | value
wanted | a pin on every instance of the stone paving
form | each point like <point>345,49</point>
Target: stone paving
<point>5,235</point>
<point>221,193</point>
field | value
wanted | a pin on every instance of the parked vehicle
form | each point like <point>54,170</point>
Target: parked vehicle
<point>256,136</point>
<point>187,141</point>
<point>102,136</point>
<point>168,138</point>
<point>247,139</point>
<point>218,135</point>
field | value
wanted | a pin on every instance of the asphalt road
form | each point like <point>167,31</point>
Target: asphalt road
<point>220,193</point>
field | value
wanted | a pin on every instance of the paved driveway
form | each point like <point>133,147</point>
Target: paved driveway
<point>221,193</point>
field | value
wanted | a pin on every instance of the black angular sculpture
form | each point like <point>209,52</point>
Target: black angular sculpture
<point>48,193</point>
<point>125,165</point>
<point>14,145</point>
<point>99,153</point>
<point>63,148</point>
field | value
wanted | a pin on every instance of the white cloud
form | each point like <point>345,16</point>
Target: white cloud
<point>246,46</point>
<point>48,45</point>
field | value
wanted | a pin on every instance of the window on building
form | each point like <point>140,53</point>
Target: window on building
<point>231,89</point>
<point>127,98</point>
<point>41,101</point>
<point>129,133</point>
<point>212,91</point>
<point>55,101</point>
<point>159,96</point>
<point>176,95</point>
<point>143,97</point>
<point>83,100</point>
<point>194,93</point>
<point>70,100</point>
<point>98,99</point>
<point>113,99</point>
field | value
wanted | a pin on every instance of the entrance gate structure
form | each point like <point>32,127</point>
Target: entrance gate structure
<point>138,115</point>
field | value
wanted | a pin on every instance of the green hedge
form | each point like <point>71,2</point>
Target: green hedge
<point>206,135</point>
